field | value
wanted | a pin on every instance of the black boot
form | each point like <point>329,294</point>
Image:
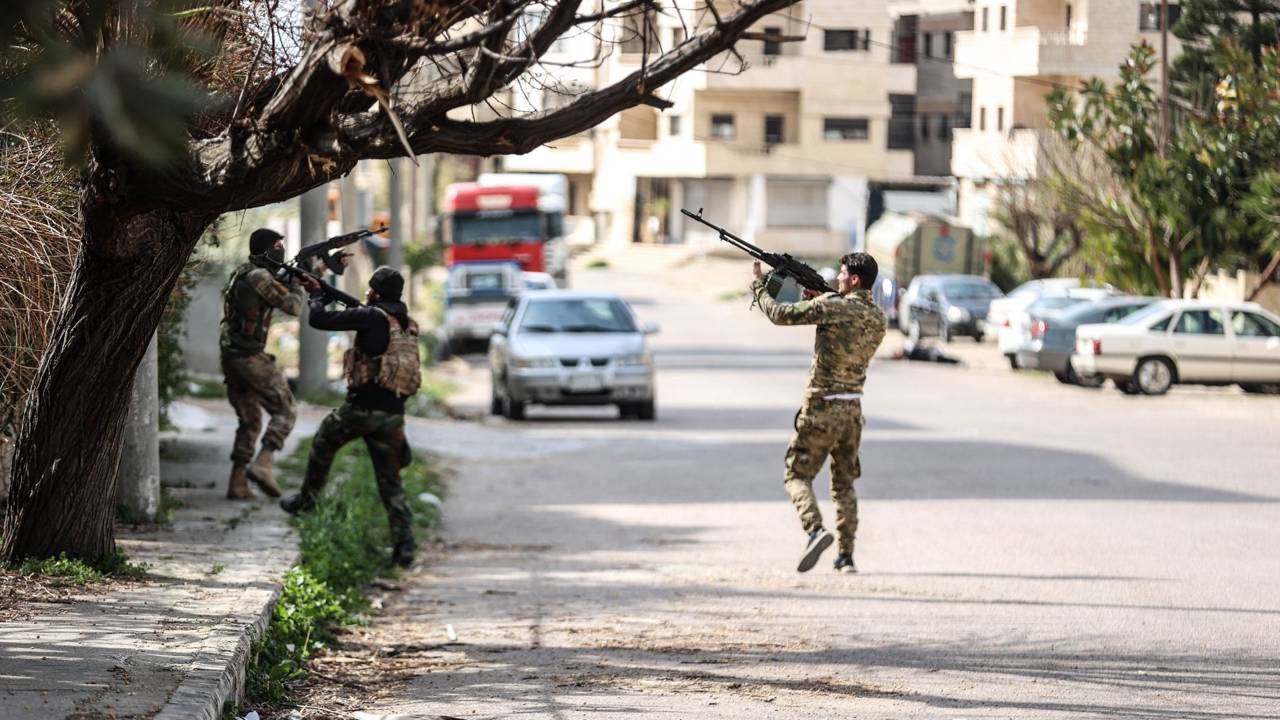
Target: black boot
<point>296,503</point>
<point>402,554</point>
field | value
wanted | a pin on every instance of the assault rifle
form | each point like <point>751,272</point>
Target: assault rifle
<point>783,264</point>
<point>304,264</point>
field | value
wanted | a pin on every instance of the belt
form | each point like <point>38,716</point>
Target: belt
<point>843,396</point>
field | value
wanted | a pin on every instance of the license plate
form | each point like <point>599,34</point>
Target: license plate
<point>590,382</point>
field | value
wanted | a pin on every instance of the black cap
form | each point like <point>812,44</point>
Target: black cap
<point>388,283</point>
<point>262,240</point>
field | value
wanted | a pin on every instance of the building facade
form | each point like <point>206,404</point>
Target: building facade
<point>785,152</point>
<point>1017,52</point>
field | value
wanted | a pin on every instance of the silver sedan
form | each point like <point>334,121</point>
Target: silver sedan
<point>570,347</point>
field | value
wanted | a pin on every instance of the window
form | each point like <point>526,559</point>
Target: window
<point>944,128</point>
<point>1200,322</point>
<point>722,126</point>
<point>948,44</point>
<point>1161,326</point>
<point>999,119</point>
<point>1004,17</point>
<point>678,36</point>
<point>634,30</point>
<point>902,122</point>
<point>772,47</point>
<point>845,129</point>
<point>674,125</point>
<point>845,40</point>
<point>1149,16</point>
<point>986,19</point>
<point>982,118</point>
<point>774,133</point>
<point>928,45</point>
<point>1253,325</point>
<point>924,127</point>
<point>1068,16</point>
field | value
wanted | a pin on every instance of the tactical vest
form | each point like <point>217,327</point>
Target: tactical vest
<point>398,369</point>
<point>246,318</point>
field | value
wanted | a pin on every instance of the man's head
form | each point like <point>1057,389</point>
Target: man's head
<point>264,241</point>
<point>857,270</point>
<point>385,285</point>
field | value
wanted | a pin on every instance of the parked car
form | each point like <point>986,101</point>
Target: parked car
<point>537,281</point>
<point>571,347</point>
<point>475,296</point>
<point>1015,330</point>
<point>1184,341</point>
<point>1053,335</point>
<point>951,305</point>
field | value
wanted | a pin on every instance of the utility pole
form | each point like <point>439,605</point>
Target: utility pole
<point>395,198</point>
<point>313,361</point>
<point>1164,76</point>
<point>138,472</point>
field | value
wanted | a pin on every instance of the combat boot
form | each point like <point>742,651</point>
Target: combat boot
<point>260,472</point>
<point>844,564</point>
<point>238,487</point>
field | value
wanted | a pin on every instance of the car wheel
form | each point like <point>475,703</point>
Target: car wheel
<point>1013,361</point>
<point>978,337</point>
<point>647,410</point>
<point>1066,378</point>
<point>627,411</point>
<point>1153,376</point>
<point>512,409</point>
<point>1260,388</point>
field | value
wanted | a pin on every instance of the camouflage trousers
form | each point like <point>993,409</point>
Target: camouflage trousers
<point>255,383</point>
<point>834,428</point>
<point>383,434</point>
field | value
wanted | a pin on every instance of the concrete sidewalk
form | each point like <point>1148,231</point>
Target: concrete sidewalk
<point>174,644</point>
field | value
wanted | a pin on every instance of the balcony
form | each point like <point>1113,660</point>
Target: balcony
<point>989,155</point>
<point>1025,52</point>
<point>764,72</point>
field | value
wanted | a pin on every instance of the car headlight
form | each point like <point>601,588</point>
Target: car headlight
<point>534,363</point>
<point>957,314</point>
<point>637,360</point>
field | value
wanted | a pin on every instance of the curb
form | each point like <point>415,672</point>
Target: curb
<point>217,674</point>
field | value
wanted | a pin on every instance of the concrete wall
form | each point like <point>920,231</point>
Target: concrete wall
<point>200,327</point>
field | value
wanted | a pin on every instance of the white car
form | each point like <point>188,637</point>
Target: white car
<point>571,347</point>
<point>1184,341</point>
<point>1003,311</point>
<point>1015,329</point>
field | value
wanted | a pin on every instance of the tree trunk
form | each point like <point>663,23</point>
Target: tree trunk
<point>62,497</point>
<point>1265,277</point>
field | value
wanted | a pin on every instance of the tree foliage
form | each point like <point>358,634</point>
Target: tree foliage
<point>1166,210</point>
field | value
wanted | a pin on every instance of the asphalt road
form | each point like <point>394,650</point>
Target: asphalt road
<point>1027,550</point>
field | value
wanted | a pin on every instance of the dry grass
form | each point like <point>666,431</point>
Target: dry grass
<point>39,236</point>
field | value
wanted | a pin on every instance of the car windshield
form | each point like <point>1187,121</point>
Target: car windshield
<point>1147,313</point>
<point>582,315</point>
<point>970,291</point>
<point>496,229</point>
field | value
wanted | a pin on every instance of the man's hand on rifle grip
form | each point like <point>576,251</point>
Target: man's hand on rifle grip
<point>309,282</point>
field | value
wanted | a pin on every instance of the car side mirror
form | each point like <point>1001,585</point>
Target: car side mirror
<point>649,328</point>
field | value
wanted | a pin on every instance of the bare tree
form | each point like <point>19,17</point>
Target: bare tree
<point>309,95</point>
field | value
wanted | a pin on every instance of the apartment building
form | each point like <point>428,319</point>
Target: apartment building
<point>925,35</point>
<point>1017,52</point>
<point>786,153</point>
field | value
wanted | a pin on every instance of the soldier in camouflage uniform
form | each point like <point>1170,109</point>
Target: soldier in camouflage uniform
<point>254,381</point>
<point>382,369</point>
<point>849,329</point>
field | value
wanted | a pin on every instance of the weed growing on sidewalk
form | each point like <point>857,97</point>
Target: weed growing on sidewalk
<point>345,544</point>
<point>79,572</point>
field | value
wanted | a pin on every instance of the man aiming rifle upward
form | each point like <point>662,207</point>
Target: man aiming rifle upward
<point>849,329</point>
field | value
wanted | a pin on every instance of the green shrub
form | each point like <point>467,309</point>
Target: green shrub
<point>598,264</point>
<point>79,572</point>
<point>345,543</point>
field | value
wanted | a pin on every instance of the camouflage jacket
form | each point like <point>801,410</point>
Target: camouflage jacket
<point>248,300</point>
<point>850,328</point>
